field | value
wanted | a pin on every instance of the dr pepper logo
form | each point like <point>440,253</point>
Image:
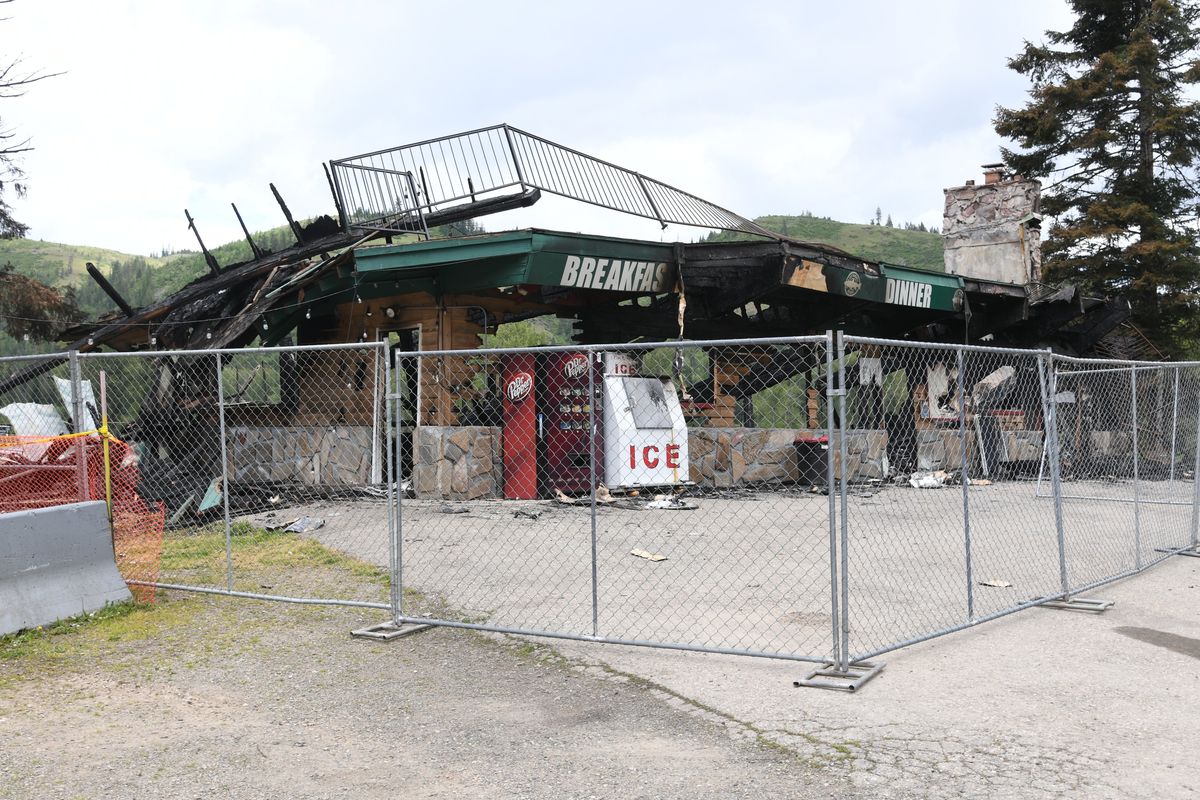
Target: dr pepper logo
<point>575,366</point>
<point>519,387</point>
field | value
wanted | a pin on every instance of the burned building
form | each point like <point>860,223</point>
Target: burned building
<point>370,273</point>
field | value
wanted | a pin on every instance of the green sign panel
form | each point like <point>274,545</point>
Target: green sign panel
<point>896,286</point>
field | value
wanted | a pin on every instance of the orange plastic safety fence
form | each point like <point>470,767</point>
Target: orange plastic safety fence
<point>38,472</point>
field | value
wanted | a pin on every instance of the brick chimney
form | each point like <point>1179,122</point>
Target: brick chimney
<point>993,173</point>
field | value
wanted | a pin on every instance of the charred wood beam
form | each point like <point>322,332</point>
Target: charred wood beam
<point>208,257</point>
<point>734,294</point>
<point>108,289</point>
<point>211,288</point>
<point>343,220</point>
<point>784,364</point>
<point>254,248</point>
<point>240,327</point>
<point>459,213</point>
<point>288,214</point>
<point>23,376</point>
<point>1096,324</point>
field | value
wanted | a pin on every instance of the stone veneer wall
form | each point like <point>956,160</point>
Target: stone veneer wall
<point>942,449</point>
<point>987,231</point>
<point>457,463</point>
<point>722,457</point>
<point>315,456</point>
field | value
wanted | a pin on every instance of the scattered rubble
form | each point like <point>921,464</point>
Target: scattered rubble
<point>929,480</point>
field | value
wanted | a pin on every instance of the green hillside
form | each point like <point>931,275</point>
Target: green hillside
<point>60,264</point>
<point>907,248</point>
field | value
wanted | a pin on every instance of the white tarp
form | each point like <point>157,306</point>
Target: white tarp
<point>34,419</point>
<point>89,401</point>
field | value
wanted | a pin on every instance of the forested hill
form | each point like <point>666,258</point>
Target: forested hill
<point>905,247</point>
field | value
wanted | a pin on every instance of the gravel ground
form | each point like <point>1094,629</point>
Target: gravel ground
<point>750,571</point>
<point>238,699</point>
<point>263,700</point>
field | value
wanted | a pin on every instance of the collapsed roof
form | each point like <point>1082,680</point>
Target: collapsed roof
<point>770,285</point>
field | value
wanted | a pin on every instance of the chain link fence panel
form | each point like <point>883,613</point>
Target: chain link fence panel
<point>793,498</point>
<point>670,495</point>
<point>262,463</point>
<point>1126,464</point>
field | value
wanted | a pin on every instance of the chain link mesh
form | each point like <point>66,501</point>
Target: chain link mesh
<point>790,498</point>
<point>692,517</point>
<point>263,462</point>
<point>1127,446</point>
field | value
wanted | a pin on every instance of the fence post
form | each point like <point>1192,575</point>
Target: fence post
<point>391,481</point>
<point>1137,489</point>
<point>830,485</point>
<point>1049,384</point>
<point>965,480</point>
<point>224,474</point>
<point>844,429</point>
<point>594,357</point>
<point>1196,480</point>
<point>1174,427</point>
<point>396,525</point>
<point>78,412</point>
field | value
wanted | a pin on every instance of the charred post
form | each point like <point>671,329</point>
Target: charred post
<point>295,226</point>
<point>208,257</point>
<point>108,289</point>
<point>254,248</point>
<point>337,201</point>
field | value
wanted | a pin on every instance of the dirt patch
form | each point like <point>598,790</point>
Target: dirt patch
<point>246,699</point>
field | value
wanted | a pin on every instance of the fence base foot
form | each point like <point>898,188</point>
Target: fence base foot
<point>850,680</point>
<point>1094,605</point>
<point>1193,553</point>
<point>387,631</point>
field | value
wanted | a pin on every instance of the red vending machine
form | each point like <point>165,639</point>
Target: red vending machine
<point>520,441</point>
<point>547,412</point>
<point>565,403</point>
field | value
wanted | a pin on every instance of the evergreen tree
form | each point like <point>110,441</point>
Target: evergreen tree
<point>889,222</point>
<point>1110,126</point>
<point>12,178</point>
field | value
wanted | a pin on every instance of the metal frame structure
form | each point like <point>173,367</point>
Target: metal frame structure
<point>393,190</point>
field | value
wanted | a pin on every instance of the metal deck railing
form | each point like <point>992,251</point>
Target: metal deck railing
<point>396,189</point>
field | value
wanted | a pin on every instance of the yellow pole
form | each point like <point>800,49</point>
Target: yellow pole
<point>104,440</point>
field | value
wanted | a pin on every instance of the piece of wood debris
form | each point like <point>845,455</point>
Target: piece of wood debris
<point>996,584</point>
<point>646,554</point>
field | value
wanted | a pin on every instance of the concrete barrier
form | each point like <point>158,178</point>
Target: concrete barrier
<point>55,563</point>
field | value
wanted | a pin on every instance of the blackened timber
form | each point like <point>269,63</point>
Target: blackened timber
<point>1099,321</point>
<point>230,278</point>
<point>254,248</point>
<point>343,220</point>
<point>784,364</point>
<point>288,214</point>
<point>108,289</point>
<point>208,257</point>
<point>459,213</point>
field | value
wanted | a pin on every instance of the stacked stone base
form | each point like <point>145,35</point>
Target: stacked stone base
<point>457,463</point>
<point>309,455</point>
<point>726,457</point>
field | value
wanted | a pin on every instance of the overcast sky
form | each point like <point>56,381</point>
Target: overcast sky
<point>764,108</point>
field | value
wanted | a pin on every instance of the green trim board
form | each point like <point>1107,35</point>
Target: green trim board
<point>550,258</point>
<point>535,257</point>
